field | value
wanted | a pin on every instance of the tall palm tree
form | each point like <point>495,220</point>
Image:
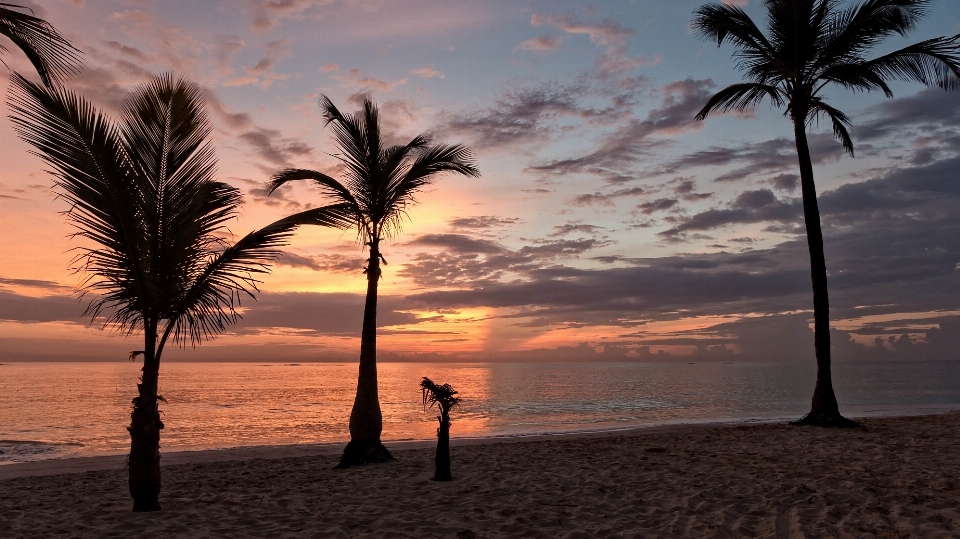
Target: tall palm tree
<point>142,195</point>
<point>379,184</point>
<point>443,397</point>
<point>809,45</point>
<point>50,53</point>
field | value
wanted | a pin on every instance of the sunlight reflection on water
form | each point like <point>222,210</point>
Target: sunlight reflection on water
<point>56,410</point>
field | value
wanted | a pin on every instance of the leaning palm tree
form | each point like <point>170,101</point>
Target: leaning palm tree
<point>142,194</point>
<point>50,53</point>
<point>379,184</point>
<point>443,397</point>
<point>809,45</point>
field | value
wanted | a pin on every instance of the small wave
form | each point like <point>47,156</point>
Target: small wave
<point>28,450</point>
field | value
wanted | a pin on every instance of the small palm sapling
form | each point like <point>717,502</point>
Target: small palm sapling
<point>444,397</point>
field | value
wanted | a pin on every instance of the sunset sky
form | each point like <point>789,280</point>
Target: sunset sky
<point>607,224</point>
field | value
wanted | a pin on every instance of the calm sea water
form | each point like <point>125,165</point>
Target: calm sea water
<point>59,410</point>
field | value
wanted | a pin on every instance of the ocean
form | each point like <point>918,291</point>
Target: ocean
<point>68,409</point>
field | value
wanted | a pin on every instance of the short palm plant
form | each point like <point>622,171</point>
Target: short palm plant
<point>443,397</point>
<point>51,54</point>
<point>810,45</point>
<point>379,184</point>
<point>142,195</point>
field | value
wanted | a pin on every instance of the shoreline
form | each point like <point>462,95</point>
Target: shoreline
<point>94,463</point>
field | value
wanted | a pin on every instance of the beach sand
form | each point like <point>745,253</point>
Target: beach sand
<point>897,478</point>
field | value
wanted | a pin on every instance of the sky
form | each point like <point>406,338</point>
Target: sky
<point>607,224</point>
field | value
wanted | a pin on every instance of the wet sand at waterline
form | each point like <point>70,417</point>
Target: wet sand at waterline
<point>898,477</point>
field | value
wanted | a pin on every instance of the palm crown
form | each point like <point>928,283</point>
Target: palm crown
<point>812,43</point>
<point>378,182</point>
<point>51,54</point>
<point>142,191</point>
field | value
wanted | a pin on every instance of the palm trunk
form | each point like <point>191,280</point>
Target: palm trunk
<point>824,410</point>
<point>366,420</point>
<point>442,460</point>
<point>145,426</point>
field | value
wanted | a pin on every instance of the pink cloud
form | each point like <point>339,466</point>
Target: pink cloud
<point>541,43</point>
<point>428,73</point>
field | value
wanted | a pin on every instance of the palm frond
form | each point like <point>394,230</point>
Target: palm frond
<point>721,22</point>
<point>934,62</point>
<point>51,54</point>
<point>859,27</point>
<point>739,97</point>
<point>855,76</point>
<point>840,121</point>
<point>87,155</point>
<point>328,186</point>
<point>442,396</point>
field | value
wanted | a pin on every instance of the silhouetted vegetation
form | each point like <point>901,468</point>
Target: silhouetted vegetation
<point>142,194</point>
<point>810,45</point>
<point>51,54</point>
<point>379,185</point>
<point>443,397</point>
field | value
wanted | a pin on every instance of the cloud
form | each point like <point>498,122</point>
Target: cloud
<point>271,146</point>
<point>360,83</point>
<point>541,44</point>
<point>570,228</point>
<point>268,13</point>
<point>749,207</point>
<point>483,222</point>
<point>467,260</point>
<point>325,263</point>
<point>262,72</point>
<point>757,159</point>
<point>660,204</point>
<point>428,72</point>
<point>58,308</point>
<point>618,152</point>
<point>607,33</point>
<point>605,199</point>
<point>531,114</point>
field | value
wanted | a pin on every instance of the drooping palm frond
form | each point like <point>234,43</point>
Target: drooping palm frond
<point>740,97</point>
<point>86,152</point>
<point>51,54</point>
<point>934,62</point>
<point>211,301</point>
<point>442,396</point>
<point>838,120</point>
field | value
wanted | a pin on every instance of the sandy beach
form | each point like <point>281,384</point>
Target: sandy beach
<point>897,478</point>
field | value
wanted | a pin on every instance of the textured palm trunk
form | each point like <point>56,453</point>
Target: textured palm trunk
<point>824,410</point>
<point>366,420</point>
<point>145,426</point>
<point>442,460</point>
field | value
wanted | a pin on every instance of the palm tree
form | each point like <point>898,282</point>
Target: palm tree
<point>443,396</point>
<point>379,184</point>
<point>142,194</point>
<point>50,53</point>
<point>810,44</point>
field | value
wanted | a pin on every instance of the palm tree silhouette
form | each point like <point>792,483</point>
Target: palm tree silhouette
<point>51,54</point>
<point>444,397</point>
<point>142,194</point>
<point>379,185</point>
<point>809,45</point>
